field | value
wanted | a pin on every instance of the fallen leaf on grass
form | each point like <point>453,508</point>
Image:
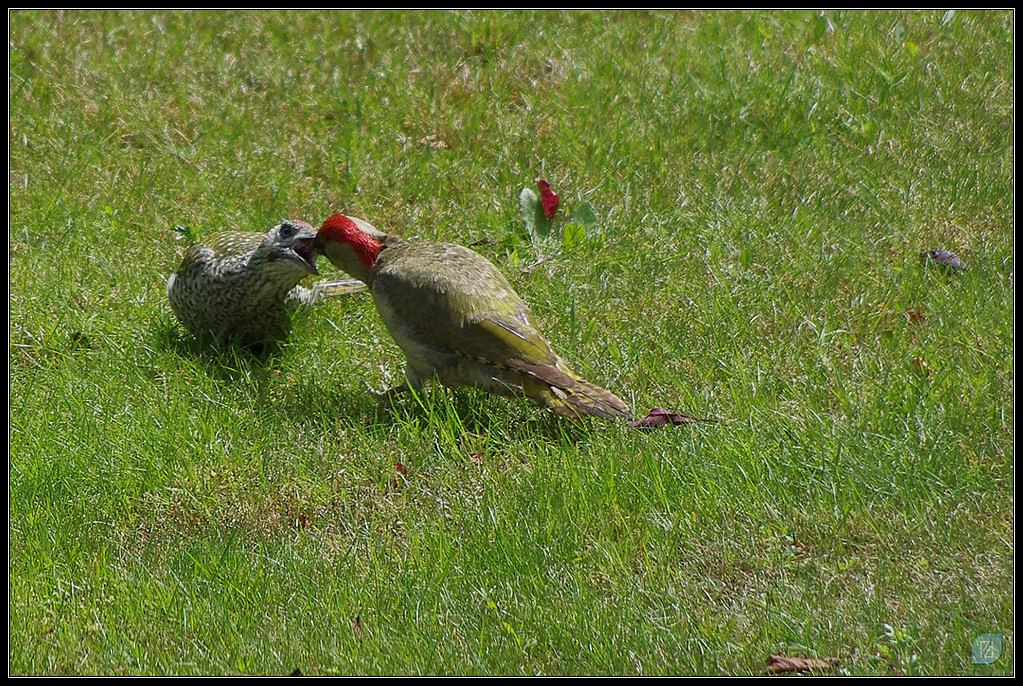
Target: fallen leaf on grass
<point>943,258</point>
<point>658,417</point>
<point>916,316</point>
<point>400,475</point>
<point>357,627</point>
<point>782,664</point>
<point>433,141</point>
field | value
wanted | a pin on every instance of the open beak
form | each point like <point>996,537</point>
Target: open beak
<point>306,250</point>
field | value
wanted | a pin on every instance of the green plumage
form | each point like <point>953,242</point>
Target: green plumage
<point>459,321</point>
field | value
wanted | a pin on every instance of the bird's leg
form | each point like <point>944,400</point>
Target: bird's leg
<point>387,396</point>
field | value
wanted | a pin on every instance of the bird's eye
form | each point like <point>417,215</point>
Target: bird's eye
<point>288,230</point>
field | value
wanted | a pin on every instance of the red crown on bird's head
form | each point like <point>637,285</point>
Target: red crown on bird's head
<point>341,229</point>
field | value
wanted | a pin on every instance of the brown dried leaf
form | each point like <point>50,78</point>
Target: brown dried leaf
<point>432,141</point>
<point>658,417</point>
<point>915,316</point>
<point>357,627</point>
<point>783,664</point>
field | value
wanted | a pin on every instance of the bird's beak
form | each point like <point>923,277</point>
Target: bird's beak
<point>307,251</point>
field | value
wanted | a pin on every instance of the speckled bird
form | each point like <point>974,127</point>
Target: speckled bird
<point>459,321</point>
<point>242,288</point>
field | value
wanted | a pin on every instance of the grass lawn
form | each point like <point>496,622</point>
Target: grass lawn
<point>745,197</point>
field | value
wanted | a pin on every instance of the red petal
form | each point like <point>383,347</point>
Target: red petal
<point>548,197</point>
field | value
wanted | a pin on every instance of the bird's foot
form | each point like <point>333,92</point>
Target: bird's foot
<point>385,397</point>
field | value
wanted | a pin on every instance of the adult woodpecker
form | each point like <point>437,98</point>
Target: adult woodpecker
<point>242,288</point>
<point>458,320</point>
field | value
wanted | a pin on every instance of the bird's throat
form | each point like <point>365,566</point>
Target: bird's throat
<point>367,249</point>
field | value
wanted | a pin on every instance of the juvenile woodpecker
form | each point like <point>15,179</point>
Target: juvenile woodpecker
<point>459,321</point>
<point>241,288</point>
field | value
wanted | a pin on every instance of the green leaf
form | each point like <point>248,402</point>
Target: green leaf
<point>584,215</point>
<point>821,27</point>
<point>528,204</point>
<point>573,235</point>
<point>538,226</point>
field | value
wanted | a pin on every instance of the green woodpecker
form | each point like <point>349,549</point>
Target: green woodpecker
<point>242,288</point>
<point>458,320</point>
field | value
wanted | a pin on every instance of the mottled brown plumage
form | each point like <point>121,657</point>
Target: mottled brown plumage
<point>242,288</point>
<point>459,321</point>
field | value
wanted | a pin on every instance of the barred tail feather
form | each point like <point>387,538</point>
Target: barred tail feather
<point>570,396</point>
<point>330,289</point>
<point>302,298</point>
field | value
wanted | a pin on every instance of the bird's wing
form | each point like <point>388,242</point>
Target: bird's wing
<point>460,302</point>
<point>233,243</point>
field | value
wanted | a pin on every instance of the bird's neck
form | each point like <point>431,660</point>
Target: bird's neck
<point>367,249</point>
<point>357,255</point>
